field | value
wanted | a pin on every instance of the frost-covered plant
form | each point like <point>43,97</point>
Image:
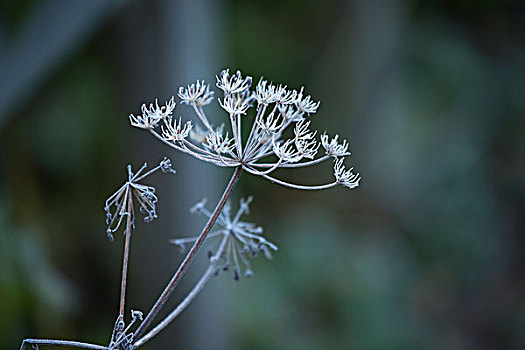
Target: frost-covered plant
<point>242,240</point>
<point>280,137</point>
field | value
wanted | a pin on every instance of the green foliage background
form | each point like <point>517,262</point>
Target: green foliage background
<point>427,253</point>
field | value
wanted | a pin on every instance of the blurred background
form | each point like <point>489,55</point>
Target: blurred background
<point>427,253</point>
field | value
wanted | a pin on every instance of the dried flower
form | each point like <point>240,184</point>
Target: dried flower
<point>284,96</point>
<point>244,239</point>
<point>265,149</point>
<point>345,177</point>
<point>286,152</point>
<point>265,94</point>
<point>218,143</point>
<point>233,84</point>
<point>306,105</point>
<point>151,116</point>
<point>235,104</point>
<point>333,147</point>
<point>121,338</point>
<point>272,124</point>
<point>289,113</point>
<point>198,94</point>
<point>305,141</point>
<point>120,203</point>
<point>175,131</point>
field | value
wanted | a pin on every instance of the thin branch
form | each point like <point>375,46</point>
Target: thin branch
<point>267,171</point>
<point>125,261</point>
<point>182,241</point>
<point>261,149</point>
<point>287,184</point>
<point>61,343</point>
<point>205,158</point>
<point>188,259</point>
<point>135,179</point>
<point>253,131</point>
<point>214,157</point>
<point>236,131</point>
<point>291,165</point>
<point>202,117</point>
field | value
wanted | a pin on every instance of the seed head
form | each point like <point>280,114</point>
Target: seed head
<point>333,147</point>
<point>345,177</point>
<point>151,116</point>
<point>120,204</point>
<point>233,84</point>
<point>173,130</point>
<point>243,240</point>
<point>279,112</point>
<point>198,94</point>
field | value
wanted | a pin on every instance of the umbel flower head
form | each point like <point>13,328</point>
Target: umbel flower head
<point>279,137</point>
<point>243,240</point>
<point>120,204</point>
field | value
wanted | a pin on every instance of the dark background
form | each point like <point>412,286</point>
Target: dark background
<point>427,253</point>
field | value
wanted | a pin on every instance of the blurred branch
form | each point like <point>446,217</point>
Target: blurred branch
<point>53,31</point>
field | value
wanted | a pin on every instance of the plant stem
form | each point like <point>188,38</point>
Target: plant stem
<point>188,299</point>
<point>188,259</point>
<point>125,259</point>
<point>64,343</point>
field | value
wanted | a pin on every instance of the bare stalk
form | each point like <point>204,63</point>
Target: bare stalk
<point>61,343</point>
<point>125,260</point>
<point>188,299</point>
<point>188,259</point>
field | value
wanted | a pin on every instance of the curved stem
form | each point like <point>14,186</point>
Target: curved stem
<point>157,135</point>
<point>287,184</point>
<point>211,156</point>
<point>64,343</point>
<point>267,171</point>
<point>291,165</point>
<point>181,149</point>
<point>187,300</point>
<point>188,259</point>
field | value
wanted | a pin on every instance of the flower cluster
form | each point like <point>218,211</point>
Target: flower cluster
<point>242,240</point>
<point>280,135</point>
<point>121,338</point>
<point>120,203</point>
<point>153,114</point>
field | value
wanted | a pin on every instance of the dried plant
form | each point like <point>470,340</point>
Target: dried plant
<point>279,137</point>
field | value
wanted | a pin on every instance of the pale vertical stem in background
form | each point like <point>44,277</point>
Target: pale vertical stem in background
<point>366,46</point>
<point>187,39</point>
<point>193,47</point>
<point>144,75</point>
